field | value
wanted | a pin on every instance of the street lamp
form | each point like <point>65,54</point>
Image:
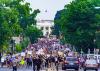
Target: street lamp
<point>88,51</point>
<point>12,42</point>
<point>95,50</point>
<point>94,41</point>
<point>81,52</point>
<point>95,46</point>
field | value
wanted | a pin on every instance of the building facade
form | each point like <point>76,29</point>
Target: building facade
<point>45,26</point>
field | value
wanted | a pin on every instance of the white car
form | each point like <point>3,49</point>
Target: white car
<point>91,64</point>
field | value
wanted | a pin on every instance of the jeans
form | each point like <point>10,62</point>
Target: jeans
<point>34,68</point>
<point>14,68</point>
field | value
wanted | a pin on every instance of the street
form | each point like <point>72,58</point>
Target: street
<point>30,69</point>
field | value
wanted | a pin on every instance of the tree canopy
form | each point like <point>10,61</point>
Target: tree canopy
<point>78,23</point>
<point>33,33</point>
<point>15,17</point>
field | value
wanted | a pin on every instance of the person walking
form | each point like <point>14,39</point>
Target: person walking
<point>29,61</point>
<point>22,62</point>
<point>34,63</point>
<point>15,64</point>
<point>56,63</point>
<point>38,63</point>
<point>46,62</point>
<point>2,61</point>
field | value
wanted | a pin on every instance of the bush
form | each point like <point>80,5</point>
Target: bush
<point>18,48</point>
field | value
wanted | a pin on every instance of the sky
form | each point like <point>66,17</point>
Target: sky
<point>48,8</point>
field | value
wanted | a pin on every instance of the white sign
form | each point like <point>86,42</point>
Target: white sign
<point>2,59</point>
<point>23,54</point>
<point>40,51</point>
<point>29,52</point>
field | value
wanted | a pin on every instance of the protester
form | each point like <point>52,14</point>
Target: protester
<point>2,61</point>
<point>46,62</point>
<point>22,62</point>
<point>47,52</point>
<point>15,61</point>
<point>34,63</point>
<point>38,63</point>
<point>56,62</point>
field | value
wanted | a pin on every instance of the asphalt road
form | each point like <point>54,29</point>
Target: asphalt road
<point>30,69</point>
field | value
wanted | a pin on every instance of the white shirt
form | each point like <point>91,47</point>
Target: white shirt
<point>2,59</point>
<point>22,53</point>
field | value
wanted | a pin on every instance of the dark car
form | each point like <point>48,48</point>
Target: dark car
<point>70,63</point>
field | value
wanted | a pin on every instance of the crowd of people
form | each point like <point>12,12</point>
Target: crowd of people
<point>47,52</point>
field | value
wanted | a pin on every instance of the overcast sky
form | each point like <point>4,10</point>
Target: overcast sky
<point>48,8</point>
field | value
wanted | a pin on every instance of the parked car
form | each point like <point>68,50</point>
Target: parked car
<point>70,63</point>
<point>91,64</point>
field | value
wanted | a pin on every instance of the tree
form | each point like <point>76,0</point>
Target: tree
<point>98,39</point>
<point>26,17</point>
<point>33,33</point>
<point>16,29</point>
<point>25,42</point>
<point>8,17</point>
<point>18,47</point>
<point>57,29</point>
<point>25,14</point>
<point>5,32</point>
<point>15,17</point>
<point>78,24</point>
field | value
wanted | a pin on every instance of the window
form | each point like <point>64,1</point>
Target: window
<point>51,27</point>
<point>41,28</point>
<point>47,28</point>
<point>47,33</point>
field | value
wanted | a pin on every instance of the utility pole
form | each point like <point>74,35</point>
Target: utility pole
<point>81,52</point>
<point>12,45</point>
<point>88,51</point>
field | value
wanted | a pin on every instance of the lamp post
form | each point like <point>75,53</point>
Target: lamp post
<point>94,43</point>
<point>81,52</point>
<point>94,46</point>
<point>88,51</point>
<point>12,45</point>
<point>95,50</point>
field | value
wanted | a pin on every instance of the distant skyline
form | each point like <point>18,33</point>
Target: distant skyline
<point>48,8</point>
